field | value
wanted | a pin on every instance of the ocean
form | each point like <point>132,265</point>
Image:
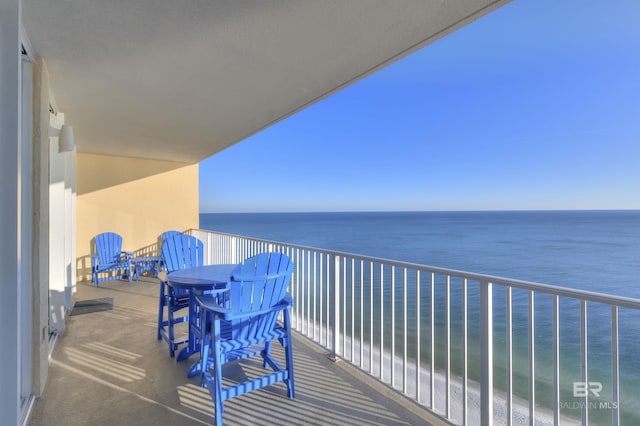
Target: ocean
<point>597,251</point>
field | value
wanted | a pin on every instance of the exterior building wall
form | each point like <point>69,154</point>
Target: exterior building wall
<point>136,198</point>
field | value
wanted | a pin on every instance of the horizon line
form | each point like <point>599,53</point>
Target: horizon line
<point>430,211</point>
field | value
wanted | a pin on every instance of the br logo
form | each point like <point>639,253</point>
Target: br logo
<point>582,389</point>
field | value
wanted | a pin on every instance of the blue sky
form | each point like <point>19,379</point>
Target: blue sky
<point>534,106</point>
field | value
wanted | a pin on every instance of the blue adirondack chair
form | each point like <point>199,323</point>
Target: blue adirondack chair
<point>242,321</point>
<point>179,251</point>
<point>109,258</point>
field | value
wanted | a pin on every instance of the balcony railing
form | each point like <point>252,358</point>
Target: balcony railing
<point>470,347</point>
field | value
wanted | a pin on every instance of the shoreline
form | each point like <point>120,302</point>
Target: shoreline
<point>520,407</point>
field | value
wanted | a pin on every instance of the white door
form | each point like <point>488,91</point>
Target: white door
<point>25,194</point>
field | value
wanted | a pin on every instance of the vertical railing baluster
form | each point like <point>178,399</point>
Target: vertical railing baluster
<point>220,249</point>
<point>393,326</point>
<point>418,337</point>
<point>532,360</point>
<point>227,250</point>
<point>336,305</point>
<point>465,366</point>
<point>235,244</point>
<point>322,289</point>
<point>509,356</point>
<point>432,347</point>
<point>297,295</point>
<point>321,300</point>
<point>584,358</point>
<point>371,307</point>
<point>213,252</point>
<point>404,332</point>
<point>303,293</point>
<point>447,349</point>
<point>361,313</point>
<point>556,360</point>
<point>224,249</point>
<point>615,368</point>
<point>328,275</point>
<point>216,249</point>
<point>308,286</point>
<point>315,300</point>
<point>382,322</point>
<point>344,307</point>
<point>353,318</point>
<point>486,353</point>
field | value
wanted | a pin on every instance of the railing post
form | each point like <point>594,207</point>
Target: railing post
<point>234,257</point>
<point>336,307</point>
<point>615,367</point>
<point>486,353</point>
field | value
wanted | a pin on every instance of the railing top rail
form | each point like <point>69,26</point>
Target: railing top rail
<point>626,302</point>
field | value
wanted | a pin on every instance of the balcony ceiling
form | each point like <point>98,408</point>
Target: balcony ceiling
<point>183,80</point>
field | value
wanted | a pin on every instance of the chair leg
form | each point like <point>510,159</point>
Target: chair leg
<point>266,353</point>
<point>172,349</point>
<point>289,354</point>
<point>291,393</point>
<point>161,303</point>
<point>217,371</point>
<point>205,346</point>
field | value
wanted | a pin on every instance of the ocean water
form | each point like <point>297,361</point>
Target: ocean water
<point>590,250</point>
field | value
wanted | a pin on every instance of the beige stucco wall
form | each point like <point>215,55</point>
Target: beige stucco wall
<point>136,198</point>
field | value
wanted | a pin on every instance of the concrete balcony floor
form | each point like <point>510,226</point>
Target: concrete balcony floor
<point>108,368</point>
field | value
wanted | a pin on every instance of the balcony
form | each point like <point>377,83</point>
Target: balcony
<point>108,368</point>
<point>415,344</point>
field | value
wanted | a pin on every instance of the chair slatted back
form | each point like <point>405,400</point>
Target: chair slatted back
<point>180,251</point>
<point>108,247</point>
<point>257,285</point>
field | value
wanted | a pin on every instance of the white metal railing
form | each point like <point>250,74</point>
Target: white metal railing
<point>450,340</point>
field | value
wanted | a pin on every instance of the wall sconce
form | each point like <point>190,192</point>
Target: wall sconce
<point>66,141</point>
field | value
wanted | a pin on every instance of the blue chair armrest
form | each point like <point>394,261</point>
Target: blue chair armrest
<point>94,261</point>
<point>229,316</point>
<point>209,301</point>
